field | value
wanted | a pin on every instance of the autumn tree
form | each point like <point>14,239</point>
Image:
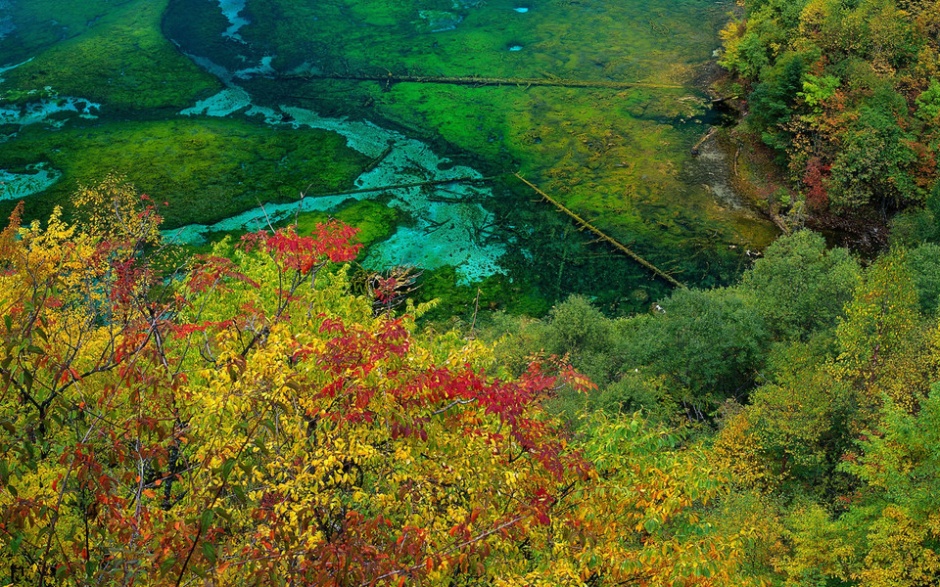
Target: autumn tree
<point>843,91</point>
<point>248,421</point>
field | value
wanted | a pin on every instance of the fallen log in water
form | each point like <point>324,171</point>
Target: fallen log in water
<point>474,81</point>
<point>584,224</point>
<point>401,186</point>
<point>702,140</point>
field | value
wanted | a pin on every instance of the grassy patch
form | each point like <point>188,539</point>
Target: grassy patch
<point>119,58</point>
<point>205,169</point>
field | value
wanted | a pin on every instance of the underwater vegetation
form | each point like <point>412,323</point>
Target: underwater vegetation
<point>109,52</point>
<point>204,169</point>
<point>258,80</point>
<point>618,157</point>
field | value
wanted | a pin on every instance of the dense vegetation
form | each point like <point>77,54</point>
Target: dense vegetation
<point>818,376</point>
<point>270,414</point>
<point>246,417</point>
<point>846,93</point>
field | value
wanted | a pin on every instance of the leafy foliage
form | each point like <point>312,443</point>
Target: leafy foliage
<point>843,91</point>
<point>248,421</point>
<point>709,342</point>
<point>800,286</point>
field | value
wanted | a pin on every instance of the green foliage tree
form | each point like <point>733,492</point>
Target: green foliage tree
<point>889,529</point>
<point>873,162</point>
<point>708,342</point>
<point>928,102</point>
<point>924,265</point>
<point>773,99</point>
<point>577,329</point>
<point>900,465</point>
<point>881,339</point>
<point>818,89</point>
<point>800,286</point>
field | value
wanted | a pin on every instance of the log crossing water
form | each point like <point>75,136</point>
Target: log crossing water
<point>585,225</point>
<point>475,81</point>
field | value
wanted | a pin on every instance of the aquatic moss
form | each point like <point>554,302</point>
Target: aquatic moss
<point>624,174</point>
<point>122,61</point>
<point>621,159</point>
<point>625,40</point>
<point>205,169</point>
<point>41,23</point>
<point>495,293</point>
<point>375,221</point>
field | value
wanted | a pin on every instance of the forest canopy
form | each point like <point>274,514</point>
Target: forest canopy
<point>846,93</point>
<point>253,417</point>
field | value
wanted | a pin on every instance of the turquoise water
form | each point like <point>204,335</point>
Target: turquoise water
<point>244,96</point>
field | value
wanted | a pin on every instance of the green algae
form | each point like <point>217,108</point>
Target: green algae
<point>375,221</point>
<point>204,169</point>
<point>41,23</point>
<point>117,57</point>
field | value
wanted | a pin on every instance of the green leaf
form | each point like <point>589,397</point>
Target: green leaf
<point>208,550</point>
<point>167,564</point>
<point>206,519</point>
<point>227,467</point>
<point>15,543</point>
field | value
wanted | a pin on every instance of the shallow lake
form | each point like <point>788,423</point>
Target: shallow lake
<point>242,112</point>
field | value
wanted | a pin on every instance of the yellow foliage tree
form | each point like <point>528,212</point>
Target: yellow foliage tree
<point>253,423</point>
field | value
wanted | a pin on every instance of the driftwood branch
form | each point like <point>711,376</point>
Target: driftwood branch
<point>702,140</point>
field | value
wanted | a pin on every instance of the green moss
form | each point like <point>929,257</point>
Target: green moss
<point>375,221</point>
<point>496,293</point>
<point>205,169</point>
<point>120,59</point>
